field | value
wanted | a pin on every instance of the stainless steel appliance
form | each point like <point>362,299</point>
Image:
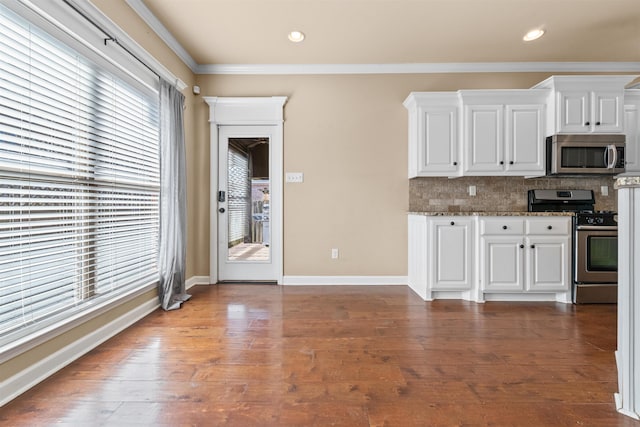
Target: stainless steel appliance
<point>595,243</point>
<point>595,257</point>
<point>585,154</point>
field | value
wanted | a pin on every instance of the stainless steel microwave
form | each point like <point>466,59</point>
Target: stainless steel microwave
<point>585,154</point>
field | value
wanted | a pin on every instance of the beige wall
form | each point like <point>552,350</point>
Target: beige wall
<point>348,135</point>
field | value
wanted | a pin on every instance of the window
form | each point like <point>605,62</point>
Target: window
<point>79,182</point>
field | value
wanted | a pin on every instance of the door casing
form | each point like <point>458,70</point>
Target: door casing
<point>247,111</point>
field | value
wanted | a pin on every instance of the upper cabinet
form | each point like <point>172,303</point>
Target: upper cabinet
<point>503,132</point>
<point>433,134</point>
<point>585,104</point>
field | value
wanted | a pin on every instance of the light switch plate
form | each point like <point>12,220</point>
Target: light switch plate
<point>604,190</point>
<point>294,177</point>
<point>472,190</point>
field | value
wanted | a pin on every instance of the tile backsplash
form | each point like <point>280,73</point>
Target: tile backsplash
<point>498,194</point>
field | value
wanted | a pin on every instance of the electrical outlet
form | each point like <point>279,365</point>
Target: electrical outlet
<point>334,253</point>
<point>296,177</point>
<point>604,190</point>
<point>472,190</point>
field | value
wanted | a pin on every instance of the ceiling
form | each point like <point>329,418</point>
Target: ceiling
<point>399,31</point>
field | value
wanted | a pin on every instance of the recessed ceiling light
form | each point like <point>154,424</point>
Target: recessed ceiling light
<point>533,35</point>
<point>296,36</point>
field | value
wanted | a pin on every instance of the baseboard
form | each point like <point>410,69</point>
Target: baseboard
<point>196,280</point>
<point>344,280</point>
<point>24,380</point>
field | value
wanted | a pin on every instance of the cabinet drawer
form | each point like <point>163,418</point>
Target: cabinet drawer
<point>550,226</point>
<point>498,226</point>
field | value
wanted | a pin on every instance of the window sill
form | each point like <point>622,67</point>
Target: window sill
<point>24,344</point>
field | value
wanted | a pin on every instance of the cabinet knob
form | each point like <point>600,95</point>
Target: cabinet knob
<point>549,227</point>
<point>453,223</point>
<point>501,162</point>
<point>455,163</point>
<point>521,246</point>
<point>504,227</point>
<point>533,246</point>
<point>597,123</point>
<point>510,162</point>
<point>587,123</point>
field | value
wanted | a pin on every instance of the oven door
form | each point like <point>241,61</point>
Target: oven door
<point>596,254</point>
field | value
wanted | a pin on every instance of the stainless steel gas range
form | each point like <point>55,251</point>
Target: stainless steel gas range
<point>595,243</point>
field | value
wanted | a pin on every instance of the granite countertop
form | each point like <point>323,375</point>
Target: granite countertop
<point>629,181</point>
<point>492,213</point>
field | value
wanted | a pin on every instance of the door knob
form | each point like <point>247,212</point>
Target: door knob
<point>221,210</point>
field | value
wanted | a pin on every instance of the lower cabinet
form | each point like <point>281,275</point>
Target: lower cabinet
<point>490,258</point>
<point>526,256</point>
<point>441,256</point>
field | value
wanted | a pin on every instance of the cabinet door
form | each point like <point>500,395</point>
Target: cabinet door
<point>483,145</point>
<point>607,114</point>
<point>573,112</point>
<point>502,264</point>
<point>632,132</point>
<point>450,250</point>
<point>547,263</point>
<point>524,139</point>
<point>438,145</point>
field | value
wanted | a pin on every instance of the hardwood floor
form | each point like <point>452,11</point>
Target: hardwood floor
<point>260,355</point>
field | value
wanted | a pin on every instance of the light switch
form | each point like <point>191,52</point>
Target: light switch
<point>472,190</point>
<point>294,177</point>
<point>604,190</point>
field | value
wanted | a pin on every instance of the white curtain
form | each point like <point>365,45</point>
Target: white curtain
<point>173,200</point>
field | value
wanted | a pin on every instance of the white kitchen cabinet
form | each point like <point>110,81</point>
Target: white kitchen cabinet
<point>525,255</point>
<point>585,104</point>
<point>450,253</point>
<point>632,130</point>
<point>503,132</point>
<point>441,256</point>
<point>433,134</point>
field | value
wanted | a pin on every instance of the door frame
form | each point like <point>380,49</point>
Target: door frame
<point>247,111</point>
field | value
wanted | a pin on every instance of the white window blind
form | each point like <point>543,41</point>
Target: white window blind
<point>79,181</point>
<point>239,195</point>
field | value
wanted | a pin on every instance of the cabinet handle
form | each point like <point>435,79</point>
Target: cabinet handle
<point>521,246</point>
<point>453,223</point>
<point>455,163</point>
<point>533,246</point>
<point>587,123</point>
<point>597,123</point>
<point>549,227</point>
<point>504,227</point>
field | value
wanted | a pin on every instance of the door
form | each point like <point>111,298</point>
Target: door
<point>524,140</point>
<point>574,112</point>
<point>248,203</point>
<point>438,151</point>
<point>483,139</point>
<point>450,254</point>
<point>548,263</point>
<point>502,269</point>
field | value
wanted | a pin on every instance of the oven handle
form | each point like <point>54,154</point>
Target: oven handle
<point>597,227</point>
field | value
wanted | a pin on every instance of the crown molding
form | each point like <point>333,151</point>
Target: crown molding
<point>403,68</point>
<point>423,68</point>
<point>147,16</point>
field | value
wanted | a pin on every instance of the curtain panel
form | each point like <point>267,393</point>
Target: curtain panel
<point>172,248</point>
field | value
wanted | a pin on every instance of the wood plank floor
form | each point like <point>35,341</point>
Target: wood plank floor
<point>260,355</point>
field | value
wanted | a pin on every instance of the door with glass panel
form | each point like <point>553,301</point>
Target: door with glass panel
<point>246,205</point>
